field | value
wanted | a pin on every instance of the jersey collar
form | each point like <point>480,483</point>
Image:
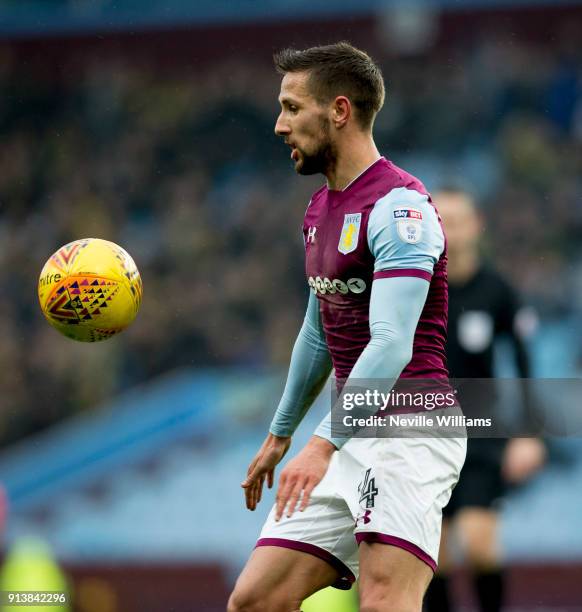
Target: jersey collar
<point>357,178</point>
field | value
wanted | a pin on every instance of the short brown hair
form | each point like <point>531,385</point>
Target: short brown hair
<point>338,70</point>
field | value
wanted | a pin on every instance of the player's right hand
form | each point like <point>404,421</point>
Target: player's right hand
<point>263,466</point>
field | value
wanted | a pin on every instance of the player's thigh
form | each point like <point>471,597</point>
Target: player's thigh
<point>391,578</point>
<point>279,579</point>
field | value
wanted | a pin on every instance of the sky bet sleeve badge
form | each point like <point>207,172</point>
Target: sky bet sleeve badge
<point>409,224</point>
<point>348,241</point>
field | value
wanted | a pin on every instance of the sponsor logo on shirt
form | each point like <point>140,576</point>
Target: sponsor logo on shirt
<point>407,213</point>
<point>348,241</point>
<point>325,285</point>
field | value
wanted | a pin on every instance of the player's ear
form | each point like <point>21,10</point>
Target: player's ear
<point>341,111</point>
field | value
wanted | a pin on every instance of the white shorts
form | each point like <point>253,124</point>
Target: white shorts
<point>389,490</point>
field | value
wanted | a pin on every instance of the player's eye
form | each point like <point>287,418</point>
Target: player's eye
<point>289,107</point>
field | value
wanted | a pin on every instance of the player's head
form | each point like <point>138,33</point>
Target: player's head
<point>461,218</point>
<point>326,92</point>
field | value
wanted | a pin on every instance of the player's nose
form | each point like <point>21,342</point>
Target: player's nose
<point>281,127</point>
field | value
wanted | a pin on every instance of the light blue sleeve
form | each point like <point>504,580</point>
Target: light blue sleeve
<point>395,308</point>
<point>308,371</point>
<point>404,232</point>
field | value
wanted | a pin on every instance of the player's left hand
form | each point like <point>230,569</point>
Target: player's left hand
<point>302,474</point>
<point>523,457</point>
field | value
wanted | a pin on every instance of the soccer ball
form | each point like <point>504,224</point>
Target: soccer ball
<point>90,290</point>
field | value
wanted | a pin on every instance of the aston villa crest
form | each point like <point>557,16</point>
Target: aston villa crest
<point>348,241</point>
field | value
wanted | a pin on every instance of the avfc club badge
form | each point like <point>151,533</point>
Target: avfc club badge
<point>409,224</point>
<point>348,241</point>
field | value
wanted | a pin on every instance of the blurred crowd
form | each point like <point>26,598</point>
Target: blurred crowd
<point>183,170</point>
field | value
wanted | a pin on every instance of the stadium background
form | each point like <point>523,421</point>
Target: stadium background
<point>151,124</point>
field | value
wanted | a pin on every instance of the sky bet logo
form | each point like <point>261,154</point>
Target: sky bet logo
<point>324,285</point>
<point>407,213</point>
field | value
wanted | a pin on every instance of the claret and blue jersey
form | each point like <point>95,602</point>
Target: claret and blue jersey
<point>382,225</point>
<point>376,264</point>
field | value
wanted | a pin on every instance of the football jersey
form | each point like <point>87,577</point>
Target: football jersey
<point>382,225</point>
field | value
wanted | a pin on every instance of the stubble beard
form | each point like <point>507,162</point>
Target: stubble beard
<point>323,159</point>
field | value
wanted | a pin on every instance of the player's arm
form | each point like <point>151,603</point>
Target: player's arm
<point>309,369</point>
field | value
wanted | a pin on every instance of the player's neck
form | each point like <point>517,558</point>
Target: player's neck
<point>463,267</point>
<point>353,159</point>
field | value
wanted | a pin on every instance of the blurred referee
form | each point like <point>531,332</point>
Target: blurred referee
<point>482,307</point>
